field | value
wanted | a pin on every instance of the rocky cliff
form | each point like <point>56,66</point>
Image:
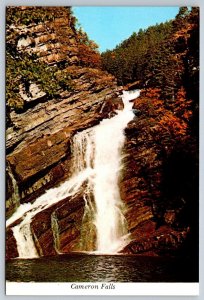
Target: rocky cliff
<point>159,183</point>
<point>39,134</point>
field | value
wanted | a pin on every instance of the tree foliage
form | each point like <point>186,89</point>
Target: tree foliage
<point>29,15</point>
<point>163,56</point>
<point>88,50</point>
<point>135,58</point>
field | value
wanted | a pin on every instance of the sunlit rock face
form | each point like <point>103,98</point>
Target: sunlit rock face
<point>38,136</point>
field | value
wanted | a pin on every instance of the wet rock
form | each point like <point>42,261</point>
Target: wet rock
<point>12,192</point>
<point>111,106</point>
<point>54,230</point>
<point>57,228</point>
<point>149,240</point>
<point>11,246</point>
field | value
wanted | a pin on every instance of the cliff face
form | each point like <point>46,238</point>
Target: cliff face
<point>159,180</point>
<point>39,135</point>
<point>38,141</point>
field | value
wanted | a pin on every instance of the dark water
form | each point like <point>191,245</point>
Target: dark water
<point>102,268</point>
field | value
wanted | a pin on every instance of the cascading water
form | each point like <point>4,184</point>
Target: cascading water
<point>112,234</point>
<point>22,231</point>
<point>96,161</point>
<point>14,198</point>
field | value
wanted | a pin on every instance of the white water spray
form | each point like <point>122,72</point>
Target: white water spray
<point>112,234</point>
<point>22,231</point>
<point>97,160</point>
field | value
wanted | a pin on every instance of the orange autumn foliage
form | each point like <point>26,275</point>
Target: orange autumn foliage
<point>153,92</point>
<point>164,125</point>
<point>88,51</point>
<point>182,106</point>
<point>89,57</point>
<point>172,124</point>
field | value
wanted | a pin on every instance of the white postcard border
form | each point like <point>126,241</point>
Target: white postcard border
<point>102,288</point>
<point>122,289</point>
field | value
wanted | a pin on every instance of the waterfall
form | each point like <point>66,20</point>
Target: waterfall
<point>96,160</point>
<point>22,231</point>
<point>14,200</point>
<point>111,228</point>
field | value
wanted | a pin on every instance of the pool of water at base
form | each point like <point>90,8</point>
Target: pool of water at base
<point>80,267</point>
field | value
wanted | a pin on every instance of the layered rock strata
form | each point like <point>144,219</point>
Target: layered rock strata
<point>38,136</point>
